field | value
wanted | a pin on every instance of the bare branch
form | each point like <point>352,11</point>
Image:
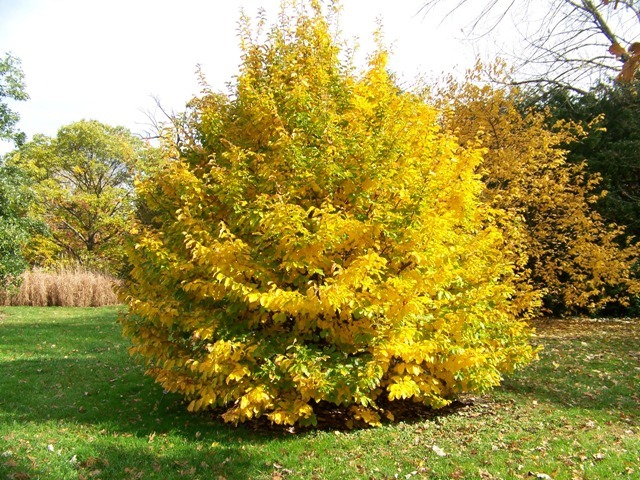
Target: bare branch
<point>560,39</point>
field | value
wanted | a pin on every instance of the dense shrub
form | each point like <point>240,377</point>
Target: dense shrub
<point>318,238</point>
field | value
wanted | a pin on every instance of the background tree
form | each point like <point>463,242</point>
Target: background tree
<point>12,87</point>
<point>562,246</point>
<point>611,113</point>
<point>568,43</point>
<point>15,196</point>
<point>84,184</point>
<point>15,225</point>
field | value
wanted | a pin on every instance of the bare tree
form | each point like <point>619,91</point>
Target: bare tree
<point>569,43</point>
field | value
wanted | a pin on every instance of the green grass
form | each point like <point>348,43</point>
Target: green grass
<point>74,406</point>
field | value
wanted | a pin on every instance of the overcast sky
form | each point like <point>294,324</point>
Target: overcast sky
<point>104,60</point>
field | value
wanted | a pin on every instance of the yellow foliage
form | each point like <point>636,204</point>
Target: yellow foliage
<point>319,238</point>
<point>563,250</point>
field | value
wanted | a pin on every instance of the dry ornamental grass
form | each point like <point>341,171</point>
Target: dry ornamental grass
<point>64,288</point>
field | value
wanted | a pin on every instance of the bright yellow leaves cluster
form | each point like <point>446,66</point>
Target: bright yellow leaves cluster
<point>564,251</point>
<point>319,238</point>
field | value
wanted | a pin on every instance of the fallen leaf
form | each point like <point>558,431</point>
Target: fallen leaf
<point>457,474</point>
<point>540,476</point>
<point>188,472</point>
<point>21,476</point>
<point>485,475</point>
<point>438,451</point>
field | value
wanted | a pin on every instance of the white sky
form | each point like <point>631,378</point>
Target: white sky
<point>103,60</point>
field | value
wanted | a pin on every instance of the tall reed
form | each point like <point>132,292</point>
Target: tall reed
<point>74,287</point>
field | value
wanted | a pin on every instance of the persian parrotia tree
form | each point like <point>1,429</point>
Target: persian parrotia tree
<point>318,239</point>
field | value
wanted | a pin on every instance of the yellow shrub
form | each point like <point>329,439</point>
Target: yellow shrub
<point>319,238</point>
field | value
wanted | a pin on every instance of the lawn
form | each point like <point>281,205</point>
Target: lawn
<point>74,406</point>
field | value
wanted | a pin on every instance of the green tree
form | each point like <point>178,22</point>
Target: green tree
<point>15,196</point>
<point>15,225</point>
<point>12,87</point>
<point>84,184</point>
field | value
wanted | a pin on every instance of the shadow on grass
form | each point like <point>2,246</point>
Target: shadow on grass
<point>89,378</point>
<point>121,407</point>
<point>586,365</point>
<point>63,374</point>
<point>72,371</point>
<point>106,461</point>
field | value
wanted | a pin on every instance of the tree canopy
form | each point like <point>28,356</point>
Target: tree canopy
<point>84,183</point>
<point>12,87</point>
<point>611,113</point>
<point>15,195</point>
<point>563,248</point>
<point>16,227</point>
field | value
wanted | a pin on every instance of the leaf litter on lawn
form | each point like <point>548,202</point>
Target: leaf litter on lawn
<point>573,414</point>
